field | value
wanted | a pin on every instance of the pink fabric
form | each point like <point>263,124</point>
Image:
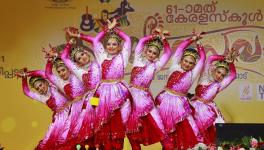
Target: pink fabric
<point>112,97</point>
<point>207,89</point>
<point>57,131</point>
<point>183,137</point>
<point>115,95</point>
<point>174,108</point>
<point>81,119</point>
<point>113,69</point>
<point>149,132</point>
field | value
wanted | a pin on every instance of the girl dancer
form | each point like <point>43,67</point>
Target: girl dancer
<point>214,79</point>
<point>144,125</point>
<point>114,104</point>
<point>89,73</point>
<point>173,104</point>
<point>87,79</point>
<point>49,95</point>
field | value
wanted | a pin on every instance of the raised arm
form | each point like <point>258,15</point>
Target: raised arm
<point>39,73</point>
<point>141,44</point>
<point>65,56</point>
<point>199,65</point>
<point>166,55</point>
<point>57,81</point>
<point>100,35</point>
<point>73,32</point>
<point>98,47</point>
<point>231,77</point>
<point>176,58</point>
<point>126,50</point>
<point>27,90</point>
<point>86,38</point>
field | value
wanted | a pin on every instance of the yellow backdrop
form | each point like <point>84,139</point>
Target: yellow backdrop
<point>26,26</point>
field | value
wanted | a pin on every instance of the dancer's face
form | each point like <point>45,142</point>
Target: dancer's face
<point>112,46</point>
<point>219,74</point>
<point>152,53</point>
<point>187,63</point>
<point>41,87</point>
<point>63,72</point>
<point>82,58</point>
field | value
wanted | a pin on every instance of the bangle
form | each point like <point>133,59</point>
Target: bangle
<point>79,35</point>
<point>56,55</point>
<point>194,38</point>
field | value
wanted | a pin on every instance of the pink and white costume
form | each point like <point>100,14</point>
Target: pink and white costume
<point>114,105</point>
<point>144,125</point>
<point>56,101</point>
<point>82,113</point>
<point>174,108</point>
<point>220,118</point>
<point>205,92</point>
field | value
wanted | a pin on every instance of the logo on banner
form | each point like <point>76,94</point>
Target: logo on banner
<point>260,92</point>
<point>245,91</point>
<point>60,1</point>
<point>105,1</point>
<point>93,22</point>
<point>60,4</point>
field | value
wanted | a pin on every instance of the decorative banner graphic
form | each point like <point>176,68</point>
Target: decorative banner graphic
<point>59,4</point>
<point>260,92</point>
<point>203,14</point>
<point>245,92</point>
<point>87,23</point>
<point>90,23</point>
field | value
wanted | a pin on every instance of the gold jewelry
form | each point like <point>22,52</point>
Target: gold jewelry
<point>34,79</point>
<point>114,36</point>
<point>222,64</point>
<point>24,74</point>
<point>174,92</point>
<point>58,63</point>
<point>156,43</point>
<point>74,51</point>
<point>191,52</point>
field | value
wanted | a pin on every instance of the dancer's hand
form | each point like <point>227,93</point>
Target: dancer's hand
<point>166,33</point>
<point>51,53</point>
<point>161,33</point>
<point>72,41</point>
<point>71,31</point>
<point>232,55</point>
<point>197,36</point>
<point>22,73</point>
<point>111,25</point>
<point>157,31</point>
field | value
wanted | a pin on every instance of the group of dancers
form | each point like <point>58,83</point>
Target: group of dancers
<point>93,104</point>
